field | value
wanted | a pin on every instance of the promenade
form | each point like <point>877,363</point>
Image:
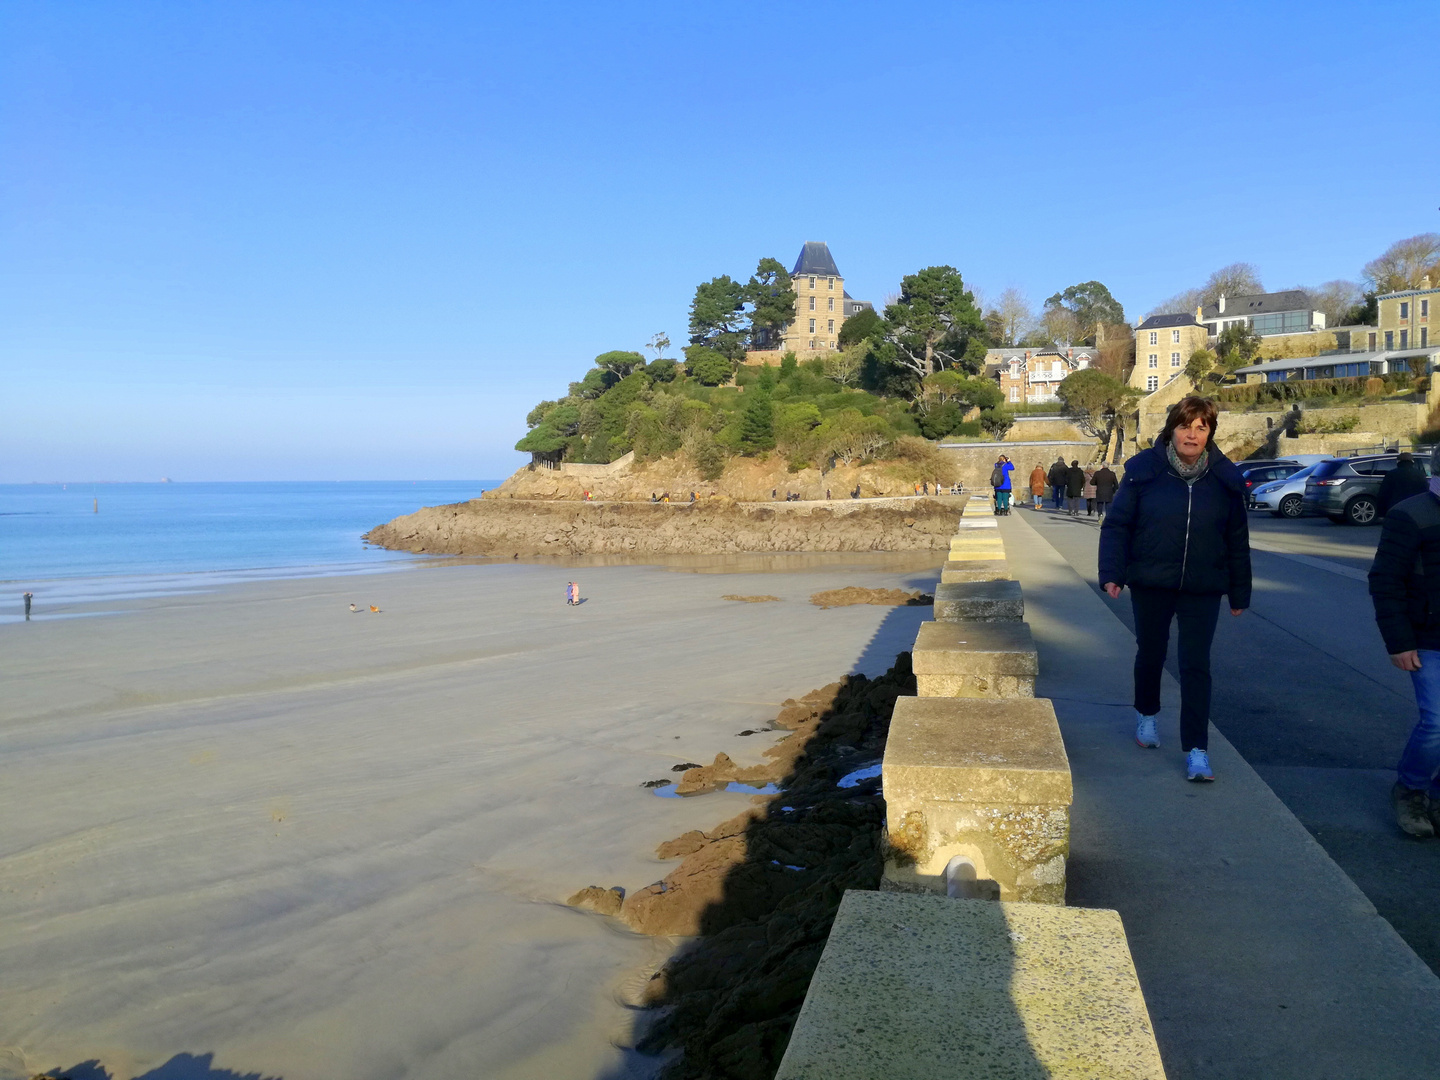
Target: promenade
<point>1257,954</point>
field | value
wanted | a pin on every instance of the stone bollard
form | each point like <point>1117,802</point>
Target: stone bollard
<point>981,601</point>
<point>977,799</point>
<point>975,659</point>
<point>913,987</point>
<point>974,570</point>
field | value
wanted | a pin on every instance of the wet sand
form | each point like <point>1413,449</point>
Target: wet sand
<point>316,844</point>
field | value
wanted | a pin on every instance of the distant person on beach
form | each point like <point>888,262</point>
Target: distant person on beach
<point>692,496</point>
<point>572,594</point>
<point>856,493</point>
<point>1037,485</point>
<point>27,597</point>
<point>827,493</point>
<point>1105,486</point>
<point>1058,474</point>
<point>1074,488</point>
<point>1177,535</point>
<point>1405,589</point>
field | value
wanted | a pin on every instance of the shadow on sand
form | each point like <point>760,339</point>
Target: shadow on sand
<point>179,1067</point>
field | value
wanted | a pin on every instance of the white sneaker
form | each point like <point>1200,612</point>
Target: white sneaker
<point>1145,733</point>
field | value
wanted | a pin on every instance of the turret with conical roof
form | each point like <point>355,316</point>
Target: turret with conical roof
<point>821,302</point>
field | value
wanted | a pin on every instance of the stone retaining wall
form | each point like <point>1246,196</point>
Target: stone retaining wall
<point>967,962</point>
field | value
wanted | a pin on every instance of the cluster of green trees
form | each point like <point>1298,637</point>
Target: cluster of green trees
<point>913,370</point>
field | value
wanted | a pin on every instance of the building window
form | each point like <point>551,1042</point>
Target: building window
<point>1154,360</point>
<point>1154,338</point>
<point>812,340</point>
<point>832,344</point>
<point>1014,393</point>
<point>1424,336</point>
<point>1174,359</point>
<point>1404,309</point>
<point>831,304</point>
<point>812,303</point>
<point>1404,339</point>
<point>1389,339</point>
<point>1424,309</point>
<point>829,326</point>
<point>812,283</point>
<point>1152,383</point>
<point>1175,337</point>
<point>812,330</point>
<point>830,283</point>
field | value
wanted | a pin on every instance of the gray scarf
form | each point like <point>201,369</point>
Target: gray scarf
<point>1188,473</point>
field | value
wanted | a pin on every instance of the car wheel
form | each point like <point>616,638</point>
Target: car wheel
<point>1292,506</point>
<point>1361,510</point>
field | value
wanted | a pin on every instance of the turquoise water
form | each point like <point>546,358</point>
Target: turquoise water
<point>152,535</point>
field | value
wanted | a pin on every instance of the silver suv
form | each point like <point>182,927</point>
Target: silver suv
<point>1348,489</point>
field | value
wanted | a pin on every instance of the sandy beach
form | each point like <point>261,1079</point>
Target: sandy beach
<point>312,843</point>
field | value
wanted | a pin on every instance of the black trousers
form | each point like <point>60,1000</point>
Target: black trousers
<point>1196,614</point>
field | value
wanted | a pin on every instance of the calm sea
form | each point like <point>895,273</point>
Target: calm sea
<point>76,542</point>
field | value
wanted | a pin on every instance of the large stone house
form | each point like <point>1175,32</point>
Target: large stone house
<point>1405,317</point>
<point>1163,345</point>
<point>1030,376</point>
<point>821,307</point>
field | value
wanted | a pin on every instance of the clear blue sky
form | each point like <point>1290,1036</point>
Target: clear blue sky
<point>359,240</point>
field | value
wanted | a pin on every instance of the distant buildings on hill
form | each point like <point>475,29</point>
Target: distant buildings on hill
<point>821,307</point>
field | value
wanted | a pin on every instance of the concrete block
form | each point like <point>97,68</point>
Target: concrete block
<point>982,570</point>
<point>979,541</point>
<point>986,553</point>
<point>975,659</point>
<point>982,601</point>
<point>977,799</point>
<point>927,988</point>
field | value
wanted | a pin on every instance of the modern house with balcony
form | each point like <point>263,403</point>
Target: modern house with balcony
<point>1289,312</point>
<point>1030,376</point>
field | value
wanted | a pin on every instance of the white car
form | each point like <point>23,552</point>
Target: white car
<point>1283,498</point>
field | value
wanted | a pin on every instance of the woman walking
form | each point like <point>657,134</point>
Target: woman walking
<point>1037,484</point>
<point>1177,536</point>
<point>1000,481</point>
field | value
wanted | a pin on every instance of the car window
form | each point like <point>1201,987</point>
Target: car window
<point>1377,466</point>
<point>1332,468</point>
<point>1303,473</point>
<point>1286,470</point>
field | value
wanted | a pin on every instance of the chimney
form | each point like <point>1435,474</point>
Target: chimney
<point>1425,282</point>
<point>1198,312</point>
<point>1222,303</point>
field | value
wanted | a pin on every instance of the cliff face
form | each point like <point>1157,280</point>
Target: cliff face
<point>506,527</point>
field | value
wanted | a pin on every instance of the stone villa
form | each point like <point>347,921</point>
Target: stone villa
<point>821,307</point>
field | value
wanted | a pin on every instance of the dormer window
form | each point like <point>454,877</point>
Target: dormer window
<point>812,283</point>
<point>830,283</point>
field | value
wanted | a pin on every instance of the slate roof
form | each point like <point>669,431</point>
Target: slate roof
<point>1259,304</point>
<point>1155,322</point>
<point>815,259</point>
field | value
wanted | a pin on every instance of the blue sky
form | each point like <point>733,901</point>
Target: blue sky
<point>359,240</point>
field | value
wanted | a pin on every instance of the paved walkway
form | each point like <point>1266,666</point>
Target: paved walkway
<point>1257,955</point>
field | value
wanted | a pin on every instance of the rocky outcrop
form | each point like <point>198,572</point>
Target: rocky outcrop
<point>517,527</point>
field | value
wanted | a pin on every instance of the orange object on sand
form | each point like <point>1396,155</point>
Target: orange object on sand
<point>374,608</point>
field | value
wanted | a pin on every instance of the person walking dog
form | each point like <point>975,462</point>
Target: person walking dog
<point>1037,484</point>
<point>1405,589</point>
<point>1177,536</point>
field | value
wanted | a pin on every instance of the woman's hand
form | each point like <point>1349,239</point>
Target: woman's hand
<point>1112,590</point>
<point>1237,611</point>
<point>1406,661</point>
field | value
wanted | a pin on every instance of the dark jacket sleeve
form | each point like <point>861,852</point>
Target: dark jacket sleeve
<point>1390,581</point>
<point>1115,533</point>
<point>1237,550</point>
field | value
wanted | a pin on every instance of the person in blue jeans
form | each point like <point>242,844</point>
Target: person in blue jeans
<point>1177,536</point>
<point>1405,589</point>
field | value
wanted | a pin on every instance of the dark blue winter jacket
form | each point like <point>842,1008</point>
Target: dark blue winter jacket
<point>1163,533</point>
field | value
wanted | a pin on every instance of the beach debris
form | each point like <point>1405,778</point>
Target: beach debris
<point>656,783</point>
<point>354,608</point>
<point>854,594</point>
<point>683,766</point>
<point>602,901</point>
<point>375,609</point>
<point>750,599</point>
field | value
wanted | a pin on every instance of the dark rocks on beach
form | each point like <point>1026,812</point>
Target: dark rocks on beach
<point>683,766</point>
<point>602,901</point>
<point>760,890</point>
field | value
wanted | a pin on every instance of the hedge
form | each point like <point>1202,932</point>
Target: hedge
<point>1292,390</point>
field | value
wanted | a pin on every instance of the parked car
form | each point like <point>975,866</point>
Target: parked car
<point>1347,489</point>
<point>1262,472</point>
<point>1284,497</point>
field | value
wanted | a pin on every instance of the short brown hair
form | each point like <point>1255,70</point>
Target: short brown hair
<point>1186,411</point>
